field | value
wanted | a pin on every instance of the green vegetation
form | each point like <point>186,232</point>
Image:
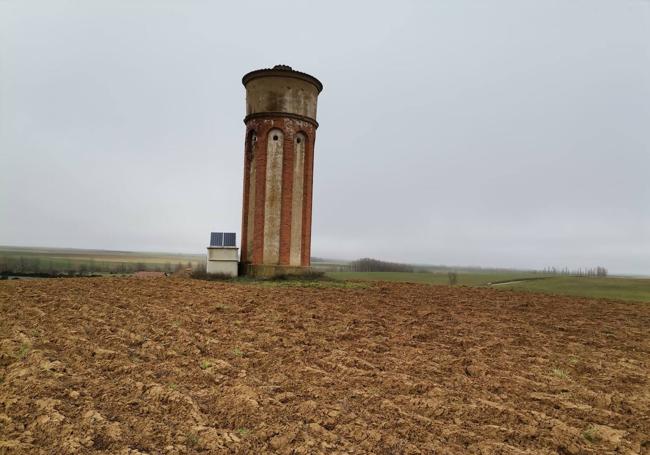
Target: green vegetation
<point>467,279</point>
<point>591,434</point>
<point>635,289</point>
<point>243,432</point>
<point>205,364</point>
<point>192,440</point>
<point>331,283</point>
<point>314,279</point>
<point>23,351</point>
<point>77,261</point>
<point>375,265</point>
<point>560,373</point>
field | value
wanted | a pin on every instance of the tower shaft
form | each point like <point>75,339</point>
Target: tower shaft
<point>278,170</point>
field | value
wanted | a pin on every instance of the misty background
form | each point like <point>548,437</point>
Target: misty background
<point>498,133</point>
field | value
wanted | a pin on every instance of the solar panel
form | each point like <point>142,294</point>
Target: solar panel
<point>223,239</point>
<point>216,239</point>
<point>229,239</point>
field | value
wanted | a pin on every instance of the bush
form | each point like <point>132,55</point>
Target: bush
<point>375,265</point>
<point>312,275</point>
<point>201,274</point>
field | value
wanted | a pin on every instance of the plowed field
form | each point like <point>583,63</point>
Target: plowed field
<point>173,365</point>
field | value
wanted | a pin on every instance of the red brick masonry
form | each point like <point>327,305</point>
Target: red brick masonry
<point>260,125</point>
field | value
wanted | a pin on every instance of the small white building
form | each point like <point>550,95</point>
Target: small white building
<point>223,254</point>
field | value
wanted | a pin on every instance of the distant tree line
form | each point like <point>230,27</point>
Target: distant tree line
<point>375,265</point>
<point>593,271</point>
<point>43,265</point>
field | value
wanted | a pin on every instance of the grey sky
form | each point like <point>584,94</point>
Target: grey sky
<point>495,133</point>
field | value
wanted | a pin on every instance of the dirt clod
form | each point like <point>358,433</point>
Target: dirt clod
<point>181,366</point>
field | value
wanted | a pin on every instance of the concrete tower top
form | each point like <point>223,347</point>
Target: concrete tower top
<point>282,71</point>
<point>281,91</point>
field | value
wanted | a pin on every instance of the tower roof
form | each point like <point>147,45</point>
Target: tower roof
<point>282,71</point>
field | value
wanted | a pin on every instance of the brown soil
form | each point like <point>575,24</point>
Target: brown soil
<point>175,365</point>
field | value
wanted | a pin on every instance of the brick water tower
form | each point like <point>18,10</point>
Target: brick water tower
<point>278,170</point>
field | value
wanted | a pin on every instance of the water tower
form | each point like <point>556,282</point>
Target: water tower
<point>278,170</point>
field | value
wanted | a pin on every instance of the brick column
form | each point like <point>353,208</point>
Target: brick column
<point>307,203</point>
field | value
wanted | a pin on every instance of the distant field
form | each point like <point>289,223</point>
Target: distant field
<point>610,287</point>
<point>23,259</point>
<point>467,279</point>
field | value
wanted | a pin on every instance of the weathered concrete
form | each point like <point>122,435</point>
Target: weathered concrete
<point>297,200</point>
<point>272,202</point>
<point>281,94</point>
<point>281,90</point>
<point>222,260</point>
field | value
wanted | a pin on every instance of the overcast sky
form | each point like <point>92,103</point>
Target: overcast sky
<point>494,133</point>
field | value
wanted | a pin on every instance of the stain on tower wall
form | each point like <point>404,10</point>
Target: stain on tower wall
<point>281,94</point>
<point>272,202</point>
<point>297,200</point>
<point>251,198</point>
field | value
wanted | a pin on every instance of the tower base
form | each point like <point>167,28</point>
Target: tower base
<point>269,271</point>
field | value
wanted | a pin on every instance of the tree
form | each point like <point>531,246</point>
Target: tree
<point>375,265</point>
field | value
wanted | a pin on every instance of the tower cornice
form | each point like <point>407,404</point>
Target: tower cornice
<point>272,115</point>
<point>282,71</point>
